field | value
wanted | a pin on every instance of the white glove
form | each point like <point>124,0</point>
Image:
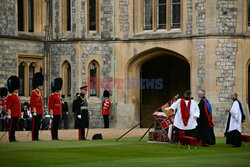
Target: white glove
<point>79,116</point>
<point>34,113</point>
<point>9,116</point>
<point>51,116</point>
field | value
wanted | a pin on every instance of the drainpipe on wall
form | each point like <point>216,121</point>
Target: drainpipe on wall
<point>114,64</point>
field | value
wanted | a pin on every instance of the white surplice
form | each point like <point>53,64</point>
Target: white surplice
<point>235,120</point>
<point>194,114</point>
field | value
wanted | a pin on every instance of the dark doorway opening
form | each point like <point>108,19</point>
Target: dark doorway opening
<point>175,73</point>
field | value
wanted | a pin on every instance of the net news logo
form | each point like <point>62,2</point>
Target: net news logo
<point>129,83</point>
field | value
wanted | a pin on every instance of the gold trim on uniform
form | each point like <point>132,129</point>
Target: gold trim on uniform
<point>84,107</point>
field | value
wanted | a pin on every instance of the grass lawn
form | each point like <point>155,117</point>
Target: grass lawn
<point>126,152</point>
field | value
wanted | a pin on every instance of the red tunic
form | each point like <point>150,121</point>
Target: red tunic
<point>2,102</point>
<point>55,104</point>
<point>36,101</point>
<point>13,105</point>
<point>107,103</point>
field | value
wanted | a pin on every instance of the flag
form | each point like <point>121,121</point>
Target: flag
<point>163,116</point>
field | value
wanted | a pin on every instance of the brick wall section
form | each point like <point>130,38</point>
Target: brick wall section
<point>73,21</point>
<point>7,17</point>
<point>200,20</point>
<point>56,17</point>
<point>106,19</point>
<point>8,61</point>
<point>189,22</point>
<point>227,17</point>
<point>201,44</point>
<point>124,18</point>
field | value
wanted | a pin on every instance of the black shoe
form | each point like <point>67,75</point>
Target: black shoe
<point>15,140</point>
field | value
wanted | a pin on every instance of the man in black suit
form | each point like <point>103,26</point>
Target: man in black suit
<point>65,113</point>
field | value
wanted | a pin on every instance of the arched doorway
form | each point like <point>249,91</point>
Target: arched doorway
<point>171,76</point>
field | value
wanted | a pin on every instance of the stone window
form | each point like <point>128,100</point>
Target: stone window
<point>176,14</point>
<point>66,15</point>
<point>28,64</point>
<point>147,15</point>
<point>93,15</point>
<point>160,14</point>
<point>94,70</point>
<point>248,13</point>
<point>66,76</point>
<point>31,73</point>
<point>29,16</point>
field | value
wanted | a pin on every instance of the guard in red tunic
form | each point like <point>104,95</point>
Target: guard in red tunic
<point>13,106</point>
<point>36,104</point>
<point>3,114</point>
<point>3,94</point>
<point>55,106</point>
<point>106,104</point>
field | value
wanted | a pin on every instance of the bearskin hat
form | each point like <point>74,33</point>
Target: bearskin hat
<point>106,93</point>
<point>13,83</point>
<point>3,92</point>
<point>56,84</point>
<point>37,79</point>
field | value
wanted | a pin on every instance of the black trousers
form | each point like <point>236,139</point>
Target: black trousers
<point>65,121</point>
<point>13,128</point>
<point>55,126</point>
<point>106,121</point>
<point>36,126</point>
<point>4,125</point>
<point>82,134</point>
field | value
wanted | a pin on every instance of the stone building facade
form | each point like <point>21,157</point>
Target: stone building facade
<point>113,40</point>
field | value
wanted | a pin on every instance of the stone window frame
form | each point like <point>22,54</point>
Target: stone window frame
<point>97,18</point>
<point>29,59</point>
<point>38,15</point>
<point>248,14</point>
<point>139,21</point>
<point>97,77</point>
<point>67,78</point>
<point>64,10</point>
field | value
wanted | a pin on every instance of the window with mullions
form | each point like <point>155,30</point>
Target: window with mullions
<point>147,15</point>
<point>161,14</point>
<point>31,73</point>
<point>21,74</point>
<point>93,79</point>
<point>175,13</point>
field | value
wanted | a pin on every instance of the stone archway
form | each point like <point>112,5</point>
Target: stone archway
<point>167,69</point>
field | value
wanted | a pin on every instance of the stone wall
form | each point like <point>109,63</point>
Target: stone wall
<point>227,16</point>
<point>201,44</point>
<point>200,20</point>
<point>7,17</point>
<point>189,22</point>
<point>106,19</point>
<point>8,55</point>
<point>124,18</point>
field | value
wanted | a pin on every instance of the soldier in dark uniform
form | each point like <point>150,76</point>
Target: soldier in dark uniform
<point>13,106</point>
<point>65,113</point>
<point>55,106</point>
<point>74,110</point>
<point>82,120</point>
